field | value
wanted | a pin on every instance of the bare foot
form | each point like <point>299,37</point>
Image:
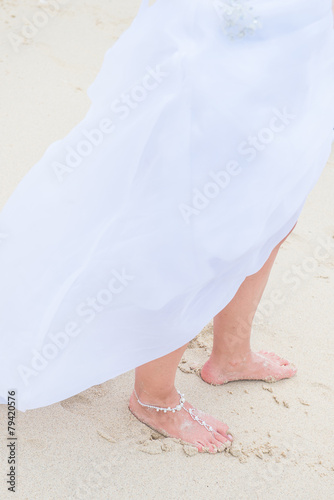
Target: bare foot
<point>262,365</point>
<point>180,425</point>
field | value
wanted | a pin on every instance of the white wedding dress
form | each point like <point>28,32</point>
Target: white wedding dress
<point>210,122</point>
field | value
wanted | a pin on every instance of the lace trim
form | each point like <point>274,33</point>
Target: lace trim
<point>238,17</point>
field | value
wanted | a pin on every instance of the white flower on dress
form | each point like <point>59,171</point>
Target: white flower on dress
<point>238,17</point>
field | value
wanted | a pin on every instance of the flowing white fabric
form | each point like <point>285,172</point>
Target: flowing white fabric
<point>206,132</point>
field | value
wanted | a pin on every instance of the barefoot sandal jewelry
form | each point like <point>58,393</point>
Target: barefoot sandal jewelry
<point>179,407</point>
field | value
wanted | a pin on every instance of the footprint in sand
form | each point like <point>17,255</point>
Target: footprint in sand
<point>322,386</point>
<point>189,367</point>
<point>106,434</point>
<point>86,399</point>
<point>154,443</point>
<point>193,361</point>
<point>76,403</point>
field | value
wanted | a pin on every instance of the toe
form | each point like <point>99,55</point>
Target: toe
<point>199,445</point>
<point>275,357</point>
<point>211,446</point>
<point>218,425</point>
<point>286,372</point>
<point>281,361</point>
<point>293,370</point>
<point>290,369</point>
<point>222,428</point>
<point>222,440</point>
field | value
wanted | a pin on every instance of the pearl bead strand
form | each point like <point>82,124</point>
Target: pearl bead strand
<point>178,407</point>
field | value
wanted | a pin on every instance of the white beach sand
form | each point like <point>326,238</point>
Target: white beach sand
<point>91,446</point>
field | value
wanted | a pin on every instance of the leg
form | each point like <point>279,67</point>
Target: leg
<point>231,357</point>
<point>154,385</point>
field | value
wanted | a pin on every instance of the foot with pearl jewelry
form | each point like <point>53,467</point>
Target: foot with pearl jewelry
<point>173,416</point>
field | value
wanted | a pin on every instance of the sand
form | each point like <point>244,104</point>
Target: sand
<point>90,446</point>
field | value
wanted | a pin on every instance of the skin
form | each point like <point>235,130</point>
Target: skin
<point>231,359</point>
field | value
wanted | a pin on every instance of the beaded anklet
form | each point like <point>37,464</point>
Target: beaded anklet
<point>179,407</point>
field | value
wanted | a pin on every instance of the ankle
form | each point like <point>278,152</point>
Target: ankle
<point>162,398</point>
<point>229,359</point>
